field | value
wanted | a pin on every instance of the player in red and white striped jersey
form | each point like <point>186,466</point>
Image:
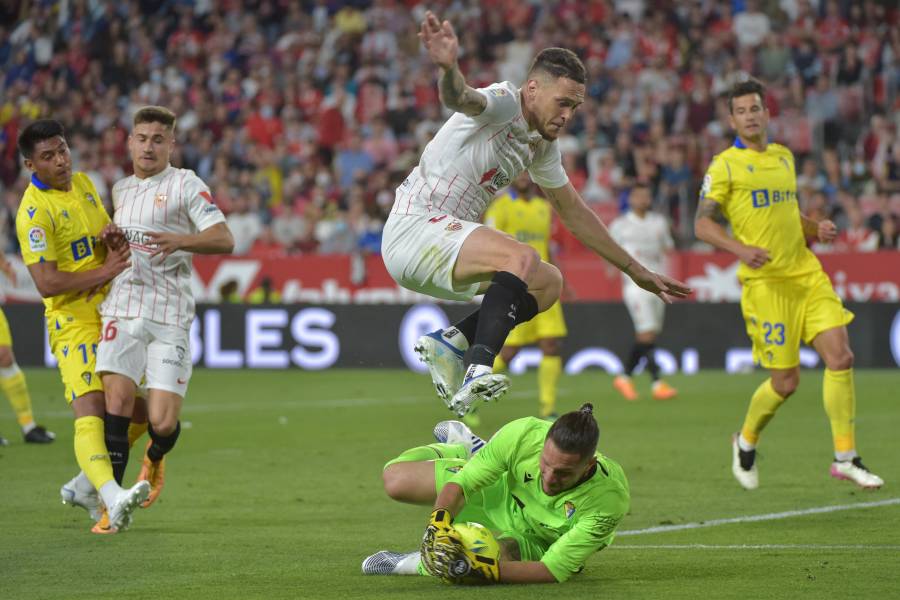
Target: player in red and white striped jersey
<point>432,242</point>
<point>166,214</point>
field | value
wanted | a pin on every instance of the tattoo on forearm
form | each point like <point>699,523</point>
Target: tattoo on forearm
<point>711,210</point>
<point>456,95</point>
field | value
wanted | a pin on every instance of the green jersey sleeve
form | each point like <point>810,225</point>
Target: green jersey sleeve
<point>493,460</point>
<point>567,555</point>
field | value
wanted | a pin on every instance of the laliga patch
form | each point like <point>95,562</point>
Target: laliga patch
<point>707,185</point>
<point>570,510</point>
<point>499,92</point>
<point>37,239</point>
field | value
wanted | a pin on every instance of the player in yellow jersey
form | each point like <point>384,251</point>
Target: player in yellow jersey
<point>787,297</point>
<point>12,380</point>
<point>528,219</point>
<point>61,226</point>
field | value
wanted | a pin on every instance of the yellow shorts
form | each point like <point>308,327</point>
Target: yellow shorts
<point>74,344</point>
<point>5,335</point>
<point>780,313</point>
<point>548,324</point>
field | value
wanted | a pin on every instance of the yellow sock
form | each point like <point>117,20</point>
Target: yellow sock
<point>90,451</point>
<point>500,365</point>
<point>16,390</point>
<point>135,431</point>
<point>840,406</point>
<point>763,405</point>
<point>548,377</point>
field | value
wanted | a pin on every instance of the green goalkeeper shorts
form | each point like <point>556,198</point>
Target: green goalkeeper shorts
<point>491,507</point>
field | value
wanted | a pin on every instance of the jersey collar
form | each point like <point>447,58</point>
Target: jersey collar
<point>38,183</point>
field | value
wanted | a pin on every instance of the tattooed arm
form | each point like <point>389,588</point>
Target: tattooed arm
<point>443,48</point>
<point>709,227</point>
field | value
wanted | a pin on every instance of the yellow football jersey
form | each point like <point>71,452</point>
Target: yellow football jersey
<point>64,227</point>
<point>529,221</point>
<point>758,195</point>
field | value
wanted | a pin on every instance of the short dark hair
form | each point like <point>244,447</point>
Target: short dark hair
<point>40,130</point>
<point>559,62</point>
<point>155,114</point>
<point>576,432</point>
<point>745,88</point>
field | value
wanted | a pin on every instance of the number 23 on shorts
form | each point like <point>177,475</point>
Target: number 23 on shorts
<point>773,333</point>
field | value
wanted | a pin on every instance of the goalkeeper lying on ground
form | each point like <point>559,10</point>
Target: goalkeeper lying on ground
<point>542,488</point>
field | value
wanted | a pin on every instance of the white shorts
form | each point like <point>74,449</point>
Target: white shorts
<point>141,349</point>
<point>647,310</point>
<point>420,252</point>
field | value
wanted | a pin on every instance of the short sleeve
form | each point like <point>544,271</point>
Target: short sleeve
<point>201,208</point>
<point>717,182</point>
<point>36,232</point>
<point>546,169</point>
<point>502,104</point>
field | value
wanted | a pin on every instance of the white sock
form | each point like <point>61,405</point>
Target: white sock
<point>455,338</point>
<point>845,456</point>
<point>81,483</point>
<point>109,492</point>
<point>26,429</point>
<point>408,565</point>
<point>477,370</point>
<point>745,445</point>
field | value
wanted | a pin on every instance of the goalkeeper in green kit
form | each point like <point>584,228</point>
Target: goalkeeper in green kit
<point>542,488</point>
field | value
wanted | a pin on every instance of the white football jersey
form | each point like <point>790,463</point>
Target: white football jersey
<point>647,239</point>
<point>172,201</point>
<point>470,158</point>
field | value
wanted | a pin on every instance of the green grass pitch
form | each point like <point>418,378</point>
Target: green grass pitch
<point>274,492</point>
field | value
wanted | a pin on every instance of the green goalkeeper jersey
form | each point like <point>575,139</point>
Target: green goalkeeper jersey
<point>571,525</point>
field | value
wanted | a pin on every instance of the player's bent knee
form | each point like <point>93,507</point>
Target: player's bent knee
<point>394,483</point>
<point>164,427</point>
<point>524,262</point>
<point>840,361</point>
<point>786,386</point>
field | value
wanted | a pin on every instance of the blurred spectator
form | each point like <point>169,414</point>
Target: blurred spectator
<point>885,222</point>
<point>264,294</point>
<point>286,107</point>
<point>855,236</point>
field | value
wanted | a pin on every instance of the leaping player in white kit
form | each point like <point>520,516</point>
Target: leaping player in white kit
<point>166,215</point>
<point>646,235</point>
<point>433,244</point>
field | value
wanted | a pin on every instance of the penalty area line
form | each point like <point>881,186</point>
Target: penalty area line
<point>765,517</point>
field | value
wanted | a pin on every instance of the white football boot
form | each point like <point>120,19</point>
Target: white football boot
<point>856,472</point>
<point>386,562</point>
<point>485,386</point>
<point>455,432</point>
<point>75,493</point>
<point>749,480</point>
<point>444,362</point>
<point>126,503</point>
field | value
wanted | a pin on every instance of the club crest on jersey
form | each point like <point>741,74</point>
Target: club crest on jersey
<point>90,198</point>
<point>453,226</point>
<point>160,200</point>
<point>31,210</point>
<point>570,509</point>
<point>495,179</point>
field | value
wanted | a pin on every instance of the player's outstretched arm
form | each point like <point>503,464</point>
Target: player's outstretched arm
<point>216,239</point>
<point>516,571</point>
<point>590,231</point>
<point>443,48</point>
<point>50,281</point>
<point>708,228</point>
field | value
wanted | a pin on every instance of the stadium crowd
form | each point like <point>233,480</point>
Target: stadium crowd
<point>303,117</point>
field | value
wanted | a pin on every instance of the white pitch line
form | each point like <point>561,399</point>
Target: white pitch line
<point>753,547</point>
<point>766,517</point>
